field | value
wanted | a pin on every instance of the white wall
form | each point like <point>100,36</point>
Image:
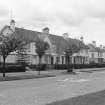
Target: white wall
<point>7,32</point>
<point>10,59</point>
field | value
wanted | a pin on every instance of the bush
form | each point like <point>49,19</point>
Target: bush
<point>14,68</point>
<point>32,66</point>
<point>77,66</point>
<point>60,66</point>
<point>41,67</point>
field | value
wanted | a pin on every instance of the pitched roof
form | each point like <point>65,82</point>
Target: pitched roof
<point>100,49</point>
<point>58,41</point>
<point>78,43</point>
<point>62,43</point>
<point>30,36</point>
<point>6,26</point>
<point>92,48</point>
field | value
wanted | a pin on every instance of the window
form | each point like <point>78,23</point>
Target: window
<point>81,51</point>
<point>92,55</point>
<point>57,60</point>
<point>62,59</point>
<point>52,60</point>
<point>100,54</point>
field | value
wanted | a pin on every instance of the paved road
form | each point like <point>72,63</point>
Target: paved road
<point>45,90</point>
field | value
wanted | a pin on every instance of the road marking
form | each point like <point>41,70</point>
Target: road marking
<point>1,95</point>
<point>63,80</point>
<point>81,80</point>
<point>74,80</point>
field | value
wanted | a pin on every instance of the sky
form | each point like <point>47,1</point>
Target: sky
<point>76,17</point>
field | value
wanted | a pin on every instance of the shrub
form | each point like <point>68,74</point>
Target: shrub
<point>32,66</point>
<point>41,67</point>
<point>14,68</point>
<point>78,66</point>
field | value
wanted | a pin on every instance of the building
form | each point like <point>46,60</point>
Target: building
<point>96,54</point>
<point>54,55</point>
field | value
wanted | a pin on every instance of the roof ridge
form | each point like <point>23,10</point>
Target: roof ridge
<point>36,31</point>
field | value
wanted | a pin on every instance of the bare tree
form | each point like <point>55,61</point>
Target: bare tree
<point>8,45</point>
<point>69,51</point>
<point>41,48</point>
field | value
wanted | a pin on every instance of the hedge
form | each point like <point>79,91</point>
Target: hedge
<point>41,67</point>
<point>13,68</point>
<point>78,66</point>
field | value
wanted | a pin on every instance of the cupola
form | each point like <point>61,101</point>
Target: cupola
<point>12,25</point>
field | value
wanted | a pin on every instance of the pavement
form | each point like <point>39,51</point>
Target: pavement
<point>49,73</point>
<point>42,91</point>
<point>97,98</point>
<point>90,69</point>
<point>24,75</point>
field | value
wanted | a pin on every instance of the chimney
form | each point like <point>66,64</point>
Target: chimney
<point>101,46</point>
<point>46,30</point>
<point>81,38</point>
<point>94,43</point>
<point>65,35</point>
<point>12,25</point>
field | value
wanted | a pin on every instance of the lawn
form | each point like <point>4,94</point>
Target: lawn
<point>21,77</point>
<point>88,99</point>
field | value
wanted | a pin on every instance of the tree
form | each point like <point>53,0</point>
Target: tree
<point>41,48</point>
<point>22,56</point>
<point>69,51</point>
<point>8,45</point>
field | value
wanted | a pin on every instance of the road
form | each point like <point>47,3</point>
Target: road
<point>46,90</point>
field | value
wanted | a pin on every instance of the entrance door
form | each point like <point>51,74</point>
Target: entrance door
<point>52,60</point>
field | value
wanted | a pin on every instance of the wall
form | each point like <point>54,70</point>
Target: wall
<point>7,32</point>
<point>10,59</point>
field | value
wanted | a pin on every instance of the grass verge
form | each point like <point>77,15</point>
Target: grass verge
<point>11,78</point>
<point>97,98</point>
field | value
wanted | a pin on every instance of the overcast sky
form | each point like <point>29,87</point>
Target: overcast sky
<point>77,17</point>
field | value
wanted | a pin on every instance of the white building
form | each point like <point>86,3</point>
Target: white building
<point>96,54</point>
<point>54,55</point>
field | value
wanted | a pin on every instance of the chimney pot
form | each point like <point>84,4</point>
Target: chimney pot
<point>81,38</point>
<point>46,30</point>
<point>94,43</point>
<point>101,46</point>
<point>65,35</point>
<point>12,25</point>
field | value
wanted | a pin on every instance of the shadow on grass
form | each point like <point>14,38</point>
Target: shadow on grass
<point>97,98</point>
<point>11,78</point>
<point>69,73</point>
<point>87,71</point>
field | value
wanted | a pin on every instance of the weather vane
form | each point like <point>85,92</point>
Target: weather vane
<point>11,14</point>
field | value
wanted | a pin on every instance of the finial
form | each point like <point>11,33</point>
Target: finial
<point>11,14</point>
